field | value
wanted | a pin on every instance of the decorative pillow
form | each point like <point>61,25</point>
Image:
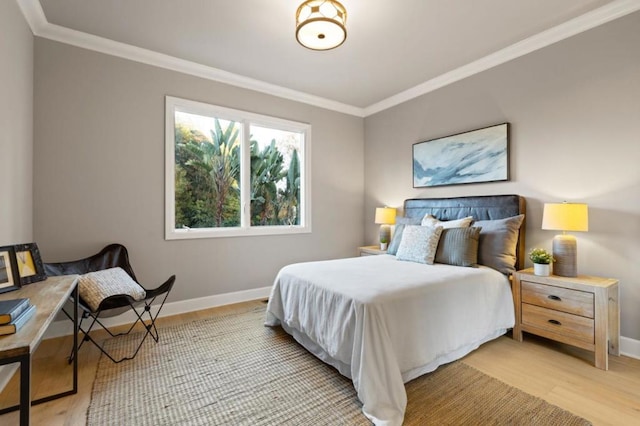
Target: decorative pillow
<point>430,220</point>
<point>419,244</point>
<point>498,241</point>
<point>458,246</point>
<point>94,287</point>
<point>401,222</point>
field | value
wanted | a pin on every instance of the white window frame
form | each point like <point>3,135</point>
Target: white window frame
<point>172,105</point>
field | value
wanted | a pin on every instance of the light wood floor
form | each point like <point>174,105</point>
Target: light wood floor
<point>557,373</point>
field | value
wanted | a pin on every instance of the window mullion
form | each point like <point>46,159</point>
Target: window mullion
<point>245,181</point>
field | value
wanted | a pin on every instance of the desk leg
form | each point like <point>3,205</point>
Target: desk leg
<point>25,389</point>
<point>75,339</point>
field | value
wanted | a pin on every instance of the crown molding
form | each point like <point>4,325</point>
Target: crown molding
<point>34,14</point>
<point>597,17</point>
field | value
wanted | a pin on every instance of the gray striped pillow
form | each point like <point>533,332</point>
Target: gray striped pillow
<point>459,246</point>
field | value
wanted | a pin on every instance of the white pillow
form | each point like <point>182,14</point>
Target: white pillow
<point>430,220</point>
<point>419,244</point>
<point>94,287</point>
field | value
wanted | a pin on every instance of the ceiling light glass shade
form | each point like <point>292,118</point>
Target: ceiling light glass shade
<point>320,24</point>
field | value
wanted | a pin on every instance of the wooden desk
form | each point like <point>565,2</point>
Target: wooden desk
<point>49,297</point>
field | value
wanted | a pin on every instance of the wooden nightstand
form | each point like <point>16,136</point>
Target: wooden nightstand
<point>581,311</point>
<point>370,251</point>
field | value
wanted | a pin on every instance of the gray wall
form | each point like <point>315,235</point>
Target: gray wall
<point>574,109</point>
<point>99,173</point>
<point>99,141</point>
<point>16,126</point>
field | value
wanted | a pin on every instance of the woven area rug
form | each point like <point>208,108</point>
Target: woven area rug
<point>231,370</point>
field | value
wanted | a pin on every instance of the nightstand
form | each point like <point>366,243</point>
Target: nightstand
<point>582,311</point>
<point>370,251</point>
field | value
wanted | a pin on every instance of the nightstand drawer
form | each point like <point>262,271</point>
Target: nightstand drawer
<point>572,326</point>
<point>560,299</point>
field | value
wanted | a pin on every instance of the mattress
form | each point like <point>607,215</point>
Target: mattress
<point>383,322</point>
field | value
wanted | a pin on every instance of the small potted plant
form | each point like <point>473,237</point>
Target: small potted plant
<point>541,261</point>
<point>384,243</point>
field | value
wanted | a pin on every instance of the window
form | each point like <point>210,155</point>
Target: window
<point>233,173</point>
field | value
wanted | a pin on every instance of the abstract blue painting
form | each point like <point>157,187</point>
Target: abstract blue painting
<point>480,155</point>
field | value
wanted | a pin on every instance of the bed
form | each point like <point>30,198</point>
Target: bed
<point>382,322</point>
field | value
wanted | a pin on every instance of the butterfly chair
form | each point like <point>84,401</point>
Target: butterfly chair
<point>112,256</point>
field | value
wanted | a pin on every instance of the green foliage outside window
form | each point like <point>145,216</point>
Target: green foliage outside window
<point>271,205</point>
<point>208,173</point>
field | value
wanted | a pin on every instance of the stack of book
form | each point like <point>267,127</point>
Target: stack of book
<point>14,313</point>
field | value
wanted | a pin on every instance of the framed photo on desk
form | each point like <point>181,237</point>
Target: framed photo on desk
<point>9,275</point>
<point>30,266</point>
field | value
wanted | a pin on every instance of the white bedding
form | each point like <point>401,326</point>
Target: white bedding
<point>383,322</point>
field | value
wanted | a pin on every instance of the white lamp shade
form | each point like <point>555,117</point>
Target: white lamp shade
<point>565,217</point>
<point>385,215</point>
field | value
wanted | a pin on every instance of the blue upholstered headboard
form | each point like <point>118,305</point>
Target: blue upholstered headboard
<point>481,207</point>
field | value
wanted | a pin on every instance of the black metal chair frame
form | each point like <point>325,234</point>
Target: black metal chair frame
<point>114,255</point>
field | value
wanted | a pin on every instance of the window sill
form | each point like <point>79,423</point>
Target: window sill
<point>189,234</point>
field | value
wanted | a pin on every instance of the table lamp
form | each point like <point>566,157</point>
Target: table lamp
<point>565,217</point>
<point>385,216</point>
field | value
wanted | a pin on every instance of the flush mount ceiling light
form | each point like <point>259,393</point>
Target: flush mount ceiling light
<point>320,24</point>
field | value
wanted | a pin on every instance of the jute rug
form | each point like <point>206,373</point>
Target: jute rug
<point>231,370</point>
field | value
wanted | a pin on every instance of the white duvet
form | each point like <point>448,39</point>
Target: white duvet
<point>383,322</point>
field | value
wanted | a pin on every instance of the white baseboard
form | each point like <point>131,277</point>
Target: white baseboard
<point>630,347</point>
<point>65,327</point>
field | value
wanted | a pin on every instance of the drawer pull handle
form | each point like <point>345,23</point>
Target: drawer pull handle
<point>556,322</point>
<point>553,297</point>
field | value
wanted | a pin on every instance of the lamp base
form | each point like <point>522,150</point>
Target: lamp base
<point>565,253</point>
<point>385,235</point>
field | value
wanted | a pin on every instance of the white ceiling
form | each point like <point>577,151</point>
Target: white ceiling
<point>394,50</point>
